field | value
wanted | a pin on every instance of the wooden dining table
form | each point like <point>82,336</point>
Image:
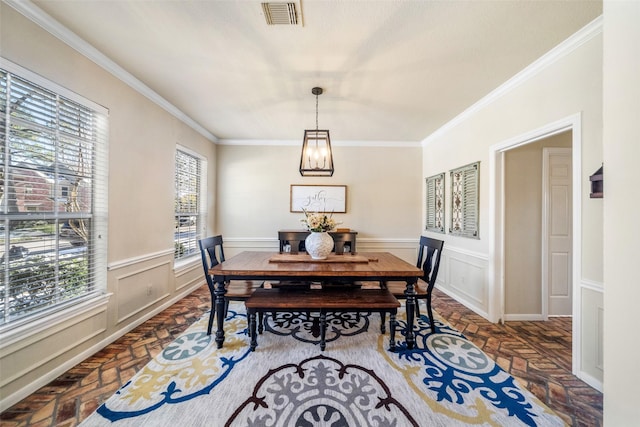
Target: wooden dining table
<point>273,266</point>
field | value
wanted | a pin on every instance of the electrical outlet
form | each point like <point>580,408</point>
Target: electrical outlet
<point>149,289</point>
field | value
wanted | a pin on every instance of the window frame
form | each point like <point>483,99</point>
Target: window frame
<point>33,320</point>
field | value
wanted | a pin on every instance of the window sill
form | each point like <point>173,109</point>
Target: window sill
<point>185,264</point>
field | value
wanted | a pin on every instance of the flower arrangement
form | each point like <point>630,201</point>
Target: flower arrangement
<point>318,222</point>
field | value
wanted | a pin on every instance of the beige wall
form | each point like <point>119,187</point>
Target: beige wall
<point>523,225</point>
<point>568,86</point>
<point>621,206</point>
<point>141,276</point>
<point>383,192</point>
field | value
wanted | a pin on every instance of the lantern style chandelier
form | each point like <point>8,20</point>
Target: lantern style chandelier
<point>316,158</point>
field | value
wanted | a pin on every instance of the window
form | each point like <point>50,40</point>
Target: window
<point>435,203</point>
<point>53,197</point>
<point>465,201</point>
<point>189,191</point>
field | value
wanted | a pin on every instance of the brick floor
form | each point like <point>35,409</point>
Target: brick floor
<point>537,354</point>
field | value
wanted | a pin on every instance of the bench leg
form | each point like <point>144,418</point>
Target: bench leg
<point>383,327</point>
<point>252,330</point>
<point>392,331</point>
<point>260,322</point>
<point>323,330</point>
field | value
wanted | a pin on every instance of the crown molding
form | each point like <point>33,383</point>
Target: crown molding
<point>39,17</point>
<point>335,143</point>
<point>579,38</point>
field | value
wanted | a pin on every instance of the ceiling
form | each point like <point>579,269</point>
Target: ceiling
<point>392,71</point>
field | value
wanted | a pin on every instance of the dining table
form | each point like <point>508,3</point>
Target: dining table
<point>341,268</point>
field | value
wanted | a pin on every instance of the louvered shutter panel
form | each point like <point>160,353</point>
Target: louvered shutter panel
<point>434,220</point>
<point>470,197</point>
<point>431,204</point>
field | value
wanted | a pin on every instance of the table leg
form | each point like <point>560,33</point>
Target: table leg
<point>410,294</point>
<point>252,330</point>
<point>220,311</point>
<point>392,331</point>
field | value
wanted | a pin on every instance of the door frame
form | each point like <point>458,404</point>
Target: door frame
<point>496,271</point>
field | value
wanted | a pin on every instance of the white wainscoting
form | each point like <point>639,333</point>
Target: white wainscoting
<point>464,276</point>
<point>189,275</point>
<point>32,358</point>
<point>588,334</point>
<point>140,287</point>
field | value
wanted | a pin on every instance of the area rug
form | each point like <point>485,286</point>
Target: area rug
<point>444,381</point>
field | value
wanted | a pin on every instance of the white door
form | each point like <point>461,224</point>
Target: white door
<point>557,239</point>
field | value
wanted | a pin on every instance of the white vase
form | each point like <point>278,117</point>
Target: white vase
<point>318,244</point>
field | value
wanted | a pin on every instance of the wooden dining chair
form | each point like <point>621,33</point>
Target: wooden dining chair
<point>212,252</point>
<point>342,243</point>
<point>294,239</point>
<point>429,253</point>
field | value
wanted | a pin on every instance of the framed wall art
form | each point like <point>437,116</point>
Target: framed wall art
<point>318,198</point>
<point>465,201</point>
<point>435,207</point>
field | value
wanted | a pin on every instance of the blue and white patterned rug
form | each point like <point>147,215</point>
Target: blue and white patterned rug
<point>445,381</point>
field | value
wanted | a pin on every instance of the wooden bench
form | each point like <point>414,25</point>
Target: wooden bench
<point>327,300</point>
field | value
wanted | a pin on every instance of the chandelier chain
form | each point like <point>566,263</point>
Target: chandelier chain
<point>316,111</point>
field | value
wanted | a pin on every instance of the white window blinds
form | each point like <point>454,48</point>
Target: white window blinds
<point>189,193</point>
<point>53,196</point>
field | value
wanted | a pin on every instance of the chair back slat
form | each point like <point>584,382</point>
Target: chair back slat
<point>429,264</point>
<point>212,254</point>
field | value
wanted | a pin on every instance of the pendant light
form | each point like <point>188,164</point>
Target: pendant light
<point>316,158</point>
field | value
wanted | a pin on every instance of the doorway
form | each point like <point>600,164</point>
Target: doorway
<point>499,232</point>
<point>537,235</point>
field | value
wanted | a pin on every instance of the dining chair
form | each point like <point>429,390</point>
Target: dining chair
<point>342,243</point>
<point>429,252</point>
<point>212,252</point>
<point>292,241</point>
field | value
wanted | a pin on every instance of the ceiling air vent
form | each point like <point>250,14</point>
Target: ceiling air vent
<point>280,13</point>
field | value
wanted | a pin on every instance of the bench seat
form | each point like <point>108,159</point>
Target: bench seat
<point>326,300</point>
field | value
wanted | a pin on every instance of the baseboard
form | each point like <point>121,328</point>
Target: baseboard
<point>459,298</point>
<point>523,317</point>
<point>593,382</point>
